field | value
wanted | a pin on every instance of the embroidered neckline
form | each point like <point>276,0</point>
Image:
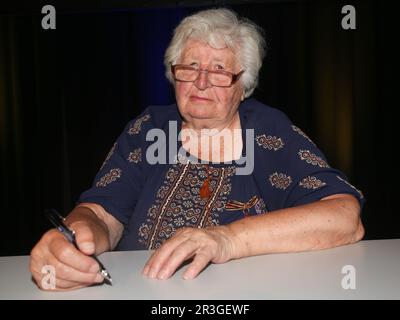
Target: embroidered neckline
<point>178,202</point>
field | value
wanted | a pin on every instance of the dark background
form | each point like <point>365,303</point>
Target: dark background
<point>66,94</point>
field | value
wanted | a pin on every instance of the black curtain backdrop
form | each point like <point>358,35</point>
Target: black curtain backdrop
<point>66,94</point>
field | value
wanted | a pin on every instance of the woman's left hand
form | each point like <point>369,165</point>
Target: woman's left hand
<point>203,245</point>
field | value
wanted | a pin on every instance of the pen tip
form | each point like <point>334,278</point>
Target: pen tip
<point>108,278</point>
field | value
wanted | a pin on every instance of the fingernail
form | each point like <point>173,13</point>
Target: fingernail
<point>146,270</point>
<point>163,275</point>
<point>87,246</point>
<point>152,274</point>
<point>94,268</point>
<point>188,276</point>
<point>98,278</point>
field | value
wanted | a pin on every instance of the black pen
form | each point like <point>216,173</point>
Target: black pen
<point>58,221</point>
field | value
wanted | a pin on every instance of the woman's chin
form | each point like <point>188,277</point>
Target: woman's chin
<point>201,115</point>
<point>201,112</point>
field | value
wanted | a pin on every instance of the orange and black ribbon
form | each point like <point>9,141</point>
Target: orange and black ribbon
<point>234,205</point>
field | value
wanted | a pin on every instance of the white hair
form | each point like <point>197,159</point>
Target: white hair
<point>221,28</point>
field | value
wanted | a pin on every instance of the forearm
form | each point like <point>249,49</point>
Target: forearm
<point>319,225</point>
<point>97,226</point>
<point>115,228</point>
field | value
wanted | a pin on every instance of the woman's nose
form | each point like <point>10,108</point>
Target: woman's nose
<point>201,82</point>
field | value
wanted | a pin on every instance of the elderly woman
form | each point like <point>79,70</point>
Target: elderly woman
<point>199,206</point>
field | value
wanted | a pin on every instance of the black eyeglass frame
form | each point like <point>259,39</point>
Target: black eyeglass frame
<point>234,77</point>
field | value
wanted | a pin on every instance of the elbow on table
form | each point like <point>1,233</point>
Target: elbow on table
<point>356,229</point>
<point>350,234</point>
<point>351,229</point>
<point>359,232</point>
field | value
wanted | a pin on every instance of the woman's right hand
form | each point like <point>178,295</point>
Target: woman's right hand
<point>73,268</point>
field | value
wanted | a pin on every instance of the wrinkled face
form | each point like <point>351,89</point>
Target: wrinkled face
<point>200,102</point>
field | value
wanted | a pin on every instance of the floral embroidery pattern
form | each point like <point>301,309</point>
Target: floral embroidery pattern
<point>137,126</point>
<point>269,142</point>
<point>180,158</point>
<point>178,203</point>
<point>311,158</point>
<point>135,156</point>
<point>311,182</point>
<point>300,132</point>
<point>351,186</point>
<point>260,206</point>
<point>113,175</point>
<point>280,180</point>
<point>110,153</point>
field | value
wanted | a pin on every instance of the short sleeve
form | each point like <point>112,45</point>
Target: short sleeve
<point>313,177</point>
<point>300,172</point>
<point>118,183</point>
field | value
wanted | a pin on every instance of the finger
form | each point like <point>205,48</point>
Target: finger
<point>200,261</point>
<point>84,238</point>
<point>69,255</point>
<point>158,258</point>
<point>37,277</point>
<point>65,285</point>
<point>36,265</point>
<point>36,261</point>
<point>67,273</point>
<point>182,252</point>
<point>59,284</point>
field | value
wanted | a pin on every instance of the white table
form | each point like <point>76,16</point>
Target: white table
<point>307,275</point>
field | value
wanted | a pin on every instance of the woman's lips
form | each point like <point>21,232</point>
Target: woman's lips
<point>199,99</point>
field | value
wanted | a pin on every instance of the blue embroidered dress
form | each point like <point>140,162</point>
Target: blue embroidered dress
<point>152,201</point>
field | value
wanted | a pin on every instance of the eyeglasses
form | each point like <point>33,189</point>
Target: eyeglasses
<point>217,78</point>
